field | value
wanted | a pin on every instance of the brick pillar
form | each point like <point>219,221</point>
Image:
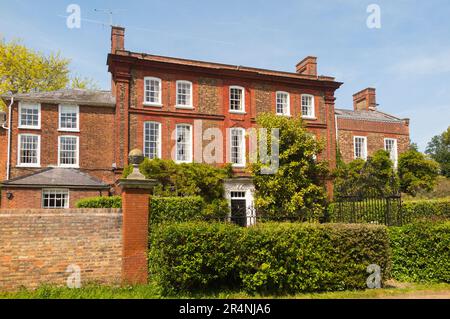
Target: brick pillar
<point>135,211</point>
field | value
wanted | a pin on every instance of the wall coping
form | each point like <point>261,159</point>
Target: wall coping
<point>62,212</point>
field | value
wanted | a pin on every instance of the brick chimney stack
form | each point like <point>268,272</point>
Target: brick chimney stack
<point>365,100</point>
<point>117,39</point>
<point>307,66</point>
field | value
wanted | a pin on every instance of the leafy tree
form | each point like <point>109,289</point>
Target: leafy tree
<point>416,172</point>
<point>296,190</point>
<point>23,70</point>
<point>374,177</point>
<point>439,150</point>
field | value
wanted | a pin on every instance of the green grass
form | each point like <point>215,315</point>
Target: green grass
<point>151,291</point>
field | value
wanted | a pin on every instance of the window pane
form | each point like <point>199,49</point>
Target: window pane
<point>69,117</point>
<point>282,103</point>
<point>184,143</point>
<point>307,107</point>
<point>236,99</point>
<point>152,90</point>
<point>29,115</point>
<point>151,140</point>
<point>68,149</point>
<point>29,146</point>
<point>237,156</point>
<point>184,93</point>
<point>55,198</point>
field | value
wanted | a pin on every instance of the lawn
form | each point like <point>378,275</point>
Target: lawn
<point>151,291</point>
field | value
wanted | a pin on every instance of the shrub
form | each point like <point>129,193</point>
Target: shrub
<point>270,257</point>
<point>100,202</point>
<point>427,209</point>
<point>420,252</point>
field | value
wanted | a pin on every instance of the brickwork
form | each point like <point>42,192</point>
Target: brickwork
<point>3,152</point>
<point>32,197</point>
<point>37,246</point>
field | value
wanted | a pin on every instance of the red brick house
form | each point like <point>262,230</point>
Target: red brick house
<point>170,108</point>
<point>364,130</point>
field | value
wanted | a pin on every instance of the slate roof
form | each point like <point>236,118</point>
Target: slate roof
<point>69,96</point>
<point>57,177</point>
<point>365,115</point>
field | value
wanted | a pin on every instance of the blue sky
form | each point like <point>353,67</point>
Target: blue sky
<point>407,59</point>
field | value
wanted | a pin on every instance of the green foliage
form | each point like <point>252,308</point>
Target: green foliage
<point>426,209</point>
<point>100,202</point>
<point>416,172</point>
<point>270,257</point>
<point>85,83</point>
<point>187,179</point>
<point>441,190</point>
<point>420,252</point>
<point>439,150</point>
<point>296,190</point>
<point>374,177</point>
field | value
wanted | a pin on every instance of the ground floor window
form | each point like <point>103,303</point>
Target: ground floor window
<point>55,198</point>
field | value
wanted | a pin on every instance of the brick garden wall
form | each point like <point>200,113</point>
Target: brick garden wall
<point>37,246</point>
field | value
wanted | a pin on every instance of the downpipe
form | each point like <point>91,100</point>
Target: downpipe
<point>8,128</point>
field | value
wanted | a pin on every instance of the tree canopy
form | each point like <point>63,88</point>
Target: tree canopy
<point>296,189</point>
<point>439,150</point>
<point>24,70</point>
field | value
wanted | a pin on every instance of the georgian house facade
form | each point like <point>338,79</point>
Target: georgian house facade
<point>57,145</point>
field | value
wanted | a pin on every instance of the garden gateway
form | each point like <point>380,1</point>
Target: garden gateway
<point>62,146</point>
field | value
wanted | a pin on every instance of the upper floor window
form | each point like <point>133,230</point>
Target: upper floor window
<point>183,150</point>
<point>307,106</point>
<point>55,198</point>
<point>29,115</point>
<point>68,151</point>
<point>184,94</point>
<point>283,103</point>
<point>360,147</point>
<point>69,117</point>
<point>29,150</point>
<point>390,145</point>
<point>152,91</point>
<point>237,147</point>
<point>152,140</point>
<point>237,99</point>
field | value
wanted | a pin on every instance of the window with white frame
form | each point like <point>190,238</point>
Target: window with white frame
<point>237,146</point>
<point>360,147</point>
<point>29,115</point>
<point>307,105</point>
<point>68,151</point>
<point>69,117</point>
<point>55,198</point>
<point>183,143</point>
<point>29,150</point>
<point>184,94</point>
<point>152,91</point>
<point>390,145</point>
<point>237,99</point>
<point>152,140</point>
<point>283,103</point>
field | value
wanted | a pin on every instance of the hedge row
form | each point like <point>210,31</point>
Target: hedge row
<point>270,257</point>
<point>421,252</point>
<point>166,209</point>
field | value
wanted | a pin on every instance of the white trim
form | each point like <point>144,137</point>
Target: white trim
<point>365,147</point>
<point>184,106</point>
<point>190,155</point>
<point>77,165</point>
<point>29,127</point>
<point>159,102</point>
<point>55,190</point>
<point>243,147</point>
<point>63,129</point>
<point>159,149</point>
<point>312,116</point>
<point>242,111</point>
<point>288,110</point>
<point>38,151</point>
<point>395,161</point>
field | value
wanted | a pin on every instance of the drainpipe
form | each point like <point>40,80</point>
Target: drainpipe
<point>8,156</point>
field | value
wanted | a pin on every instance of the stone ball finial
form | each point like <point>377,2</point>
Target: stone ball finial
<point>136,156</point>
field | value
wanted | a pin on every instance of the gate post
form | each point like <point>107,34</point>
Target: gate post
<point>135,211</point>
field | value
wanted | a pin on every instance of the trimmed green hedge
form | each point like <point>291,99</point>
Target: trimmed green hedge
<point>428,209</point>
<point>167,209</point>
<point>421,252</point>
<point>269,257</point>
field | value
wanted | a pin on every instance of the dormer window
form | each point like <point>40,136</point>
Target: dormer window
<point>237,99</point>
<point>308,106</point>
<point>283,103</point>
<point>152,91</point>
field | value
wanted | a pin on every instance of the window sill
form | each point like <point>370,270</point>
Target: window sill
<point>28,166</point>
<point>185,107</point>
<point>68,130</point>
<point>152,104</point>
<point>29,127</point>
<point>237,112</point>
<point>281,114</point>
<point>309,117</point>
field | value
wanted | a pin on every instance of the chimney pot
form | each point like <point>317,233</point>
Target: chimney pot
<point>117,39</point>
<point>365,100</point>
<point>307,66</point>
